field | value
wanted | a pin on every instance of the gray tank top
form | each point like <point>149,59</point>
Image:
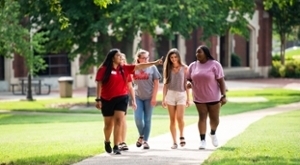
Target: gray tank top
<point>177,81</point>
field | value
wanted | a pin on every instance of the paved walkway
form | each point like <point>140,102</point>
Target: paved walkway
<point>161,154</point>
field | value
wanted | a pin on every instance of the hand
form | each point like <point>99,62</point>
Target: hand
<point>187,103</point>
<point>159,61</point>
<point>153,102</point>
<point>188,85</point>
<point>164,104</point>
<point>98,105</point>
<point>223,101</point>
<point>133,104</point>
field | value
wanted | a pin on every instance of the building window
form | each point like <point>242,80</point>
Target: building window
<point>175,41</point>
<point>58,65</point>
<point>2,67</point>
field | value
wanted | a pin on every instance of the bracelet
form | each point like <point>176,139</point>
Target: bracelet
<point>223,96</point>
<point>98,99</point>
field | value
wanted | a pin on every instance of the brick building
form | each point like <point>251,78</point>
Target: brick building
<point>255,54</point>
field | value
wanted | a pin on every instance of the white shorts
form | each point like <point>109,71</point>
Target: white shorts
<point>176,98</point>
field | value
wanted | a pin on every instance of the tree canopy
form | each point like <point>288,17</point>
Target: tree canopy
<point>17,37</point>
<point>286,18</point>
<point>94,26</point>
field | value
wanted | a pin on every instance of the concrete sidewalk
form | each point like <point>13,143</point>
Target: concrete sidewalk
<point>161,153</point>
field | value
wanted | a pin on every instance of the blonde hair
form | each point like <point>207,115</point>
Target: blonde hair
<point>138,55</point>
<point>124,56</point>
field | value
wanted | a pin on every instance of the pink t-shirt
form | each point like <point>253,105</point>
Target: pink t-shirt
<point>204,80</point>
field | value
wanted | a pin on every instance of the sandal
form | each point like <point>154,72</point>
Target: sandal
<point>146,146</point>
<point>174,146</point>
<point>182,141</point>
<point>139,141</point>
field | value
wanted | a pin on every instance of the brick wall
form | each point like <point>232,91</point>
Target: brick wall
<point>241,50</point>
<point>265,37</point>
<point>19,66</point>
<point>192,44</point>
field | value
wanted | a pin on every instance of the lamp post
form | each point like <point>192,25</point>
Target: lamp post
<point>30,69</point>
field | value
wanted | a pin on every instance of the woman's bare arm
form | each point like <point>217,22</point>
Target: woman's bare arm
<point>148,64</point>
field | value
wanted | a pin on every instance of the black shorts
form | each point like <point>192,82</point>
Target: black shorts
<point>209,103</point>
<point>119,103</point>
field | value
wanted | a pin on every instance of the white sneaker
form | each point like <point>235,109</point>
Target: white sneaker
<point>214,140</point>
<point>202,145</point>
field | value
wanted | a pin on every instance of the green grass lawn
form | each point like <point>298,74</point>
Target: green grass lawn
<point>272,140</point>
<point>294,53</point>
<point>275,97</point>
<point>68,137</point>
<point>50,139</point>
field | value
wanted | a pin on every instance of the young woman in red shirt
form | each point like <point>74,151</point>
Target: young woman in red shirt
<point>112,94</point>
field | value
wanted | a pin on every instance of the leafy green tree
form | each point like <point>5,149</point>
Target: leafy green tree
<point>89,25</point>
<point>286,18</point>
<point>181,16</point>
<point>15,37</point>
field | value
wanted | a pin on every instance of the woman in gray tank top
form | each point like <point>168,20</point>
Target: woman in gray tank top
<point>175,94</point>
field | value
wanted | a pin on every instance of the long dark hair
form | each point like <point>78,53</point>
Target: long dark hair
<point>108,64</point>
<point>168,64</point>
<point>205,51</point>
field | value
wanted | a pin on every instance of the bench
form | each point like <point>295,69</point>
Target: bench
<point>91,91</point>
<point>14,90</point>
<point>37,88</point>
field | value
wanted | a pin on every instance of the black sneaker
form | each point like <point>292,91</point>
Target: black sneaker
<point>107,147</point>
<point>116,150</point>
<point>123,146</point>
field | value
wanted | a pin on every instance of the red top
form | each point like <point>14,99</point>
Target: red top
<point>115,86</point>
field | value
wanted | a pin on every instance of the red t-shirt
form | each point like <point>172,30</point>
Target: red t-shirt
<point>115,86</point>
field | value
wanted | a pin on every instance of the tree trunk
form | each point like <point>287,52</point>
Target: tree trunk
<point>103,46</point>
<point>129,49</point>
<point>29,91</point>
<point>282,49</point>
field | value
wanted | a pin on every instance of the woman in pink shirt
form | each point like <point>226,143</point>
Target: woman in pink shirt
<point>206,78</point>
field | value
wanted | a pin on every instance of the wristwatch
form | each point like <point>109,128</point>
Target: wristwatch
<point>98,99</point>
<point>223,96</point>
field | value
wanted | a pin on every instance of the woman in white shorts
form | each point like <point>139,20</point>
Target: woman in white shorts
<point>175,94</point>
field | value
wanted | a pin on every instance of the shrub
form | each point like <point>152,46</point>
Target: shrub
<point>291,69</point>
<point>235,60</point>
<point>274,72</point>
<point>276,57</point>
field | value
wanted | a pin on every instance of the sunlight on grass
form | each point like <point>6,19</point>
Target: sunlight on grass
<point>39,104</point>
<point>60,139</point>
<point>292,53</point>
<point>65,138</point>
<point>271,140</point>
<point>274,96</point>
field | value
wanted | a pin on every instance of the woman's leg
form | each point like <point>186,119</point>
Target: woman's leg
<point>214,111</point>
<point>118,122</point>
<point>148,109</point>
<point>172,116</point>
<point>180,118</point>
<point>202,113</point>
<point>139,116</point>
<point>124,129</point>
<point>139,120</point>
<point>108,126</point>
